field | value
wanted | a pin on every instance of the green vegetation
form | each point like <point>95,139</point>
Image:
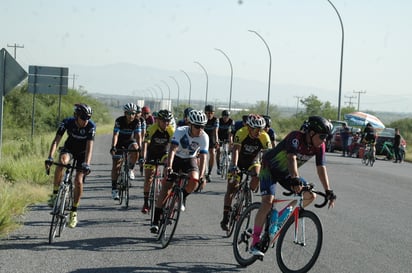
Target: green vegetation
<point>22,177</point>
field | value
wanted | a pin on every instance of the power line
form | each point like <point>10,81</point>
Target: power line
<point>15,48</point>
<point>297,103</point>
<point>359,92</point>
<point>350,100</point>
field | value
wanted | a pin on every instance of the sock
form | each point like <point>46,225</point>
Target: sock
<point>256,234</point>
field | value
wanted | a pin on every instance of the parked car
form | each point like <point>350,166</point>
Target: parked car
<point>335,143</point>
<point>387,135</point>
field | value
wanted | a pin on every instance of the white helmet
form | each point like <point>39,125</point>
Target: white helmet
<point>256,121</point>
<point>130,107</point>
<point>197,117</point>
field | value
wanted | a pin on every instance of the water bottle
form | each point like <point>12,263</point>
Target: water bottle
<point>284,215</point>
<point>273,227</point>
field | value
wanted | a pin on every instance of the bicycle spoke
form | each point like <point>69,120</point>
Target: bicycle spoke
<point>298,246</point>
<point>171,215</point>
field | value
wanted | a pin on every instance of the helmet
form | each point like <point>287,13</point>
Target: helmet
<point>186,111</point>
<point>255,121</point>
<point>319,125</point>
<point>130,107</point>
<point>83,111</point>
<point>145,109</point>
<point>268,121</point>
<point>197,118</point>
<point>138,109</point>
<point>165,115</point>
<point>209,108</point>
<point>225,113</point>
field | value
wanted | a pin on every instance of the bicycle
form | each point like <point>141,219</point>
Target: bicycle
<point>242,199</point>
<point>156,186</point>
<point>368,156</point>
<point>299,237</point>
<point>123,184</point>
<point>225,159</point>
<point>172,207</point>
<point>63,202</point>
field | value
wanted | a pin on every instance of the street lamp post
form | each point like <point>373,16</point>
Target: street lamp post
<point>207,79</point>
<point>168,87</point>
<point>161,100</point>
<point>270,68</point>
<point>231,77</point>
<point>190,85</point>
<point>341,60</point>
<point>178,90</point>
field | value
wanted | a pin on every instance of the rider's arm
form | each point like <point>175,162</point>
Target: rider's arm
<point>292,165</point>
<point>235,153</point>
<point>89,152</point>
<point>323,177</point>
<point>54,145</point>
<point>171,155</point>
<point>202,164</point>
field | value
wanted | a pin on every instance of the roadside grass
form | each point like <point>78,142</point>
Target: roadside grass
<point>23,181</point>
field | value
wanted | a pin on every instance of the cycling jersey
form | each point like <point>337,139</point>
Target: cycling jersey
<point>77,137</point>
<point>225,128</point>
<point>188,146</point>
<point>126,131</point>
<point>275,160</point>
<point>210,127</point>
<point>250,147</point>
<point>369,134</point>
<point>157,141</point>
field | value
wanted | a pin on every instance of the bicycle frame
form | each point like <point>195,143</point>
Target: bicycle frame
<point>63,202</point>
<point>155,186</point>
<point>123,178</point>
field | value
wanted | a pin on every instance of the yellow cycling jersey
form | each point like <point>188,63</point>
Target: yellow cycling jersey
<point>250,147</point>
<point>157,140</point>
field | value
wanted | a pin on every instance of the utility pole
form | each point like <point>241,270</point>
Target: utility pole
<point>15,47</point>
<point>74,77</point>
<point>350,100</point>
<point>297,103</point>
<point>359,92</point>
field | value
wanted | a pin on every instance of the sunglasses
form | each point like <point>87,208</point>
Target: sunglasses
<point>256,129</point>
<point>84,117</point>
<point>323,136</point>
<point>198,126</point>
<point>130,113</point>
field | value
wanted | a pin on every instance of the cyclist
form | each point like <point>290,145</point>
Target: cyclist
<point>142,119</point>
<point>368,137</point>
<point>185,120</point>
<point>239,124</point>
<point>187,144</point>
<point>126,134</point>
<point>155,147</point>
<point>79,145</point>
<point>281,164</point>
<point>147,116</point>
<point>211,128</point>
<point>270,131</point>
<point>224,134</point>
<point>248,143</point>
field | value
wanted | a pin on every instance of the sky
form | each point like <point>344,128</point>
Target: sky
<point>304,38</point>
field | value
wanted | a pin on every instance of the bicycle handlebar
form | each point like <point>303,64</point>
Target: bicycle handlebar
<point>310,188</point>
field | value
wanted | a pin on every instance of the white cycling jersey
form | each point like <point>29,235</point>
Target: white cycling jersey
<point>189,146</point>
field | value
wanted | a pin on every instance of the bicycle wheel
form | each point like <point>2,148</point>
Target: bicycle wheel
<point>58,210</point>
<point>298,246</point>
<point>235,212</point>
<point>67,205</point>
<point>121,186</point>
<point>153,195</point>
<point>171,213</point>
<point>223,165</point>
<point>242,238</point>
<point>126,190</point>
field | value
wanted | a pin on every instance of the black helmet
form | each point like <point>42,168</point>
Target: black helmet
<point>268,120</point>
<point>319,125</point>
<point>225,113</point>
<point>209,108</point>
<point>165,115</point>
<point>186,112</point>
<point>83,111</point>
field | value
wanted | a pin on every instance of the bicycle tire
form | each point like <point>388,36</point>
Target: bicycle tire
<point>299,256</point>
<point>171,214</point>
<point>242,238</point>
<point>68,203</point>
<point>152,200</point>
<point>126,190</point>
<point>58,209</point>
<point>224,165</point>
<point>235,212</point>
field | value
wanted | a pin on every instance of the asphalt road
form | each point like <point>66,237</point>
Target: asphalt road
<point>369,230</point>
